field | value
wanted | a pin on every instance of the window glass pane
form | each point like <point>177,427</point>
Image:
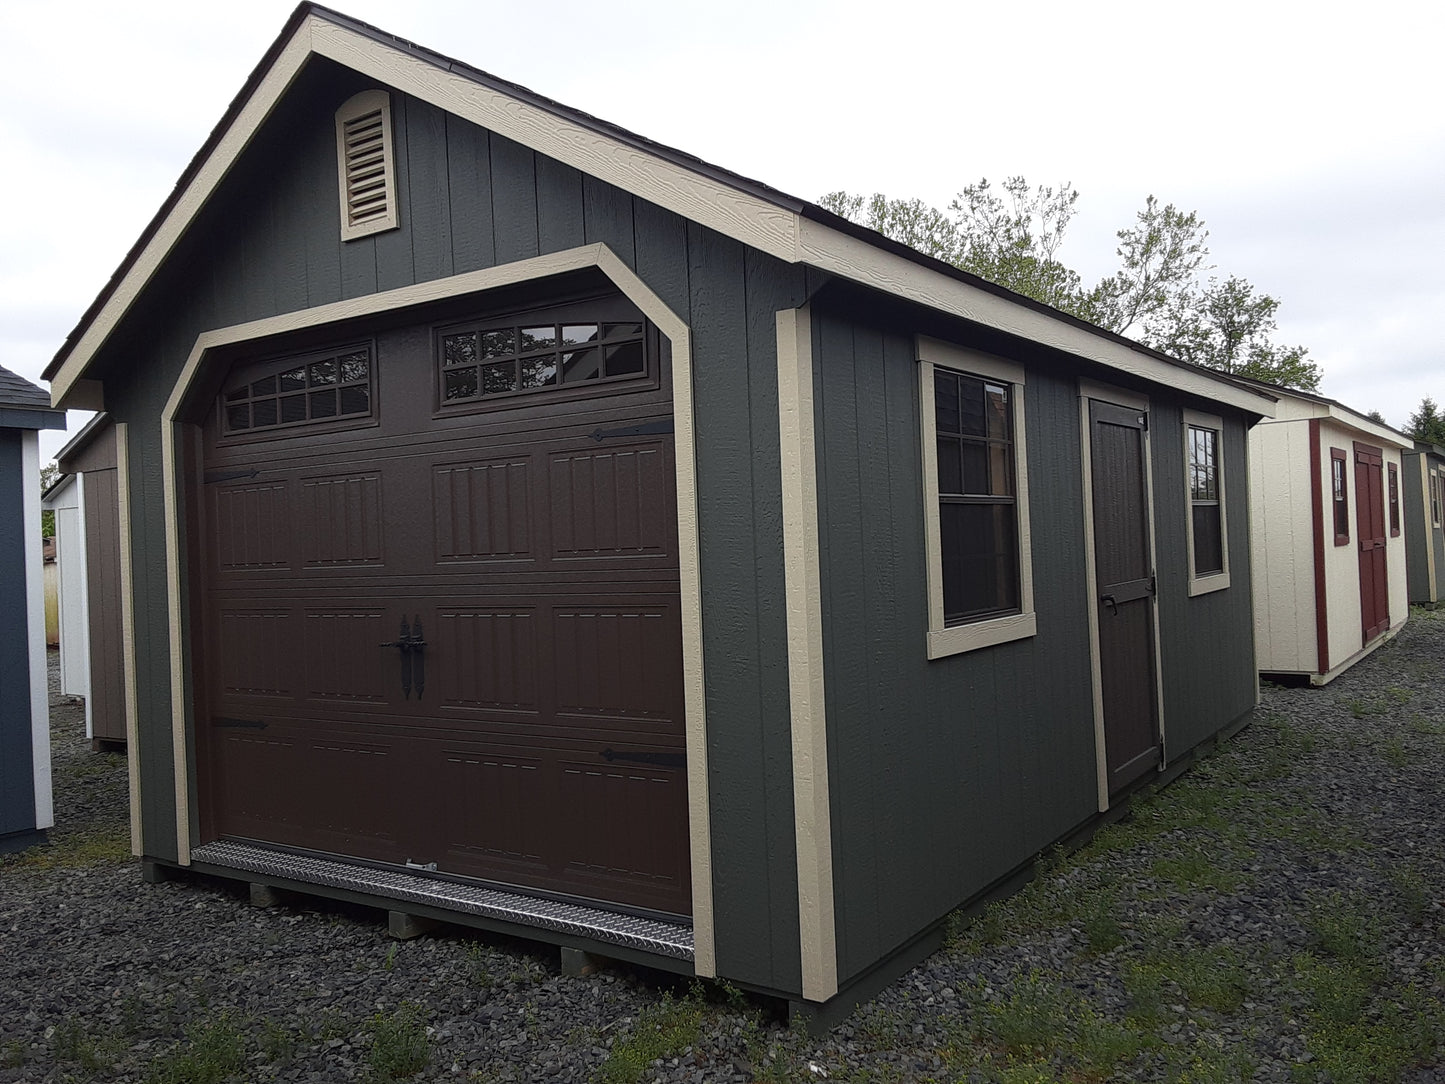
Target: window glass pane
<point>355,399</point>
<point>539,338</point>
<point>263,412</point>
<point>539,372</point>
<point>627,358</point>
<point>1337,466</point>
<point>945,401</point>
<point>459,349</point>
<point>323,403</point>
<point>1208,546</point>
<point>996,398</point>
<point>971,415</point>
<point>578,334</point>
<point>1000,470</point>
<point>581,365</point>
<point>975,468</point>
<point>980,559</point>
<point>461,384</point>
<point>293,408</point>
<point>950,466</point>
<point>264,387</point>
<point>355,366</point>
<point>499,343</point>
<point>612,332</point>
<point>499,378</point>
<point>322,372</point>
<point>238,393</point>
<point>293,379</point>
<point>238,417</point>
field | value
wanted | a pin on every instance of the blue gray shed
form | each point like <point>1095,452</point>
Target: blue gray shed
<point>674,569</point>
<point>25,799</point>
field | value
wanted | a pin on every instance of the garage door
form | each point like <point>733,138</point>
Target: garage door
<point>441,604</point>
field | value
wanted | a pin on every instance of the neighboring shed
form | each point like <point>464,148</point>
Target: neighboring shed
<point>1329,546</point>
<point>86,505</point>
<point>1422,482</point>
<point>751,590</point>
<point>25,800</point>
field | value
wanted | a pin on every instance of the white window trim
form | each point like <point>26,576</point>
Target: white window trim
<point>942,639</point>
<point>1210,581</point>
<point>359,105</point>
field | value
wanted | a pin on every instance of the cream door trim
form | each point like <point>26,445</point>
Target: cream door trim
<point>677,333</point>
<point>803,593</point>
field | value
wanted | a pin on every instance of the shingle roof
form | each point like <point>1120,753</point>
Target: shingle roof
<point>16,391</point>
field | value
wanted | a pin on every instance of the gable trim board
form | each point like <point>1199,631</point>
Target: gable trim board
<point>791,230</point>
<point>597,256</point>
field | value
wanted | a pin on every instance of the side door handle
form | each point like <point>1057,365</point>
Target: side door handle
<point>404,643</point>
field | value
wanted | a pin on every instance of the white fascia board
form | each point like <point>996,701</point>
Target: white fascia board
<point>714,203</point>
<point>1383,434</point>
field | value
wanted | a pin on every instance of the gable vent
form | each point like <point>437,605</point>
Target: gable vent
<point>365,174</point>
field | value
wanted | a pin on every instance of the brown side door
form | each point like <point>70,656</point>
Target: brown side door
<point>1125,601</point>
<point>1370,527</point>
<point>451,637</point>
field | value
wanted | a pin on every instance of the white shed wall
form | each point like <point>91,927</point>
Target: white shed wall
<point>1282,544</point>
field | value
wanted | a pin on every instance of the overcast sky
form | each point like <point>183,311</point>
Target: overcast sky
<point>1310,138</point>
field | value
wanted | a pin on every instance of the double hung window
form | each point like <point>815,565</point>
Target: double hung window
<point>976,492</point>
<point>1340,495</point>
<point>1204,487</point>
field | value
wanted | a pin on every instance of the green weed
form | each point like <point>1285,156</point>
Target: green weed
<point>660,1031</point>
<point>399,1044</point>
<point>210,1054</point>
<point>1393,750</point>
<point>105,846</point>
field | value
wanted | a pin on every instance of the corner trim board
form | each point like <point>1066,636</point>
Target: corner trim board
<point>39,695</point>
<point>806,687</point>
<point>1317,503</point>
<point>678,334</point>
<point>127,632</point>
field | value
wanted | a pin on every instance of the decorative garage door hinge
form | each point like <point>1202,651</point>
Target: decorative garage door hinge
<point>666,760</point>
<point>211,477</point>
<point>645,429</point>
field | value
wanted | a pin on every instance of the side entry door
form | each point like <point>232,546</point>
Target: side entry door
<point>1124,601</point>
<point>1370,528</point>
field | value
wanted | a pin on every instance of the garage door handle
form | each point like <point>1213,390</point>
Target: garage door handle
<point>404,644</point>
<point>418,648</point>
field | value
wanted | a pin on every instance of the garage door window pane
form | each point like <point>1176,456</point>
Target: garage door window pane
<point>300,391</point>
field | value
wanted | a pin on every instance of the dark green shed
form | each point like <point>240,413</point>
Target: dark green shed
<point>751,590</point>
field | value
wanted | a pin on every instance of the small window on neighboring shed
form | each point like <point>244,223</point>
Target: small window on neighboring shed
<point>1340,496</point>
<point>1435,499</point>
<point>365,165</point>
<point>1394,501</point>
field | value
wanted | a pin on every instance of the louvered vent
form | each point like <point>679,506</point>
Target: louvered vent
<point>364,164</point>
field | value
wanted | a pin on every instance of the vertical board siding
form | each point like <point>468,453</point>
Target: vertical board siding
<point>1207,642</point>
<point>749,750</point>
<point>944,775</point>
<point>17,765</point>
<point>471,199</point>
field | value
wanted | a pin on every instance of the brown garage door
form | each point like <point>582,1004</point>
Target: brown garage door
<point>441,604</point>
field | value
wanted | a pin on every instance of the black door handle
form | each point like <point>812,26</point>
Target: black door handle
<point>404,643</point>
<point>1108,600</point>
<point>418,648</point>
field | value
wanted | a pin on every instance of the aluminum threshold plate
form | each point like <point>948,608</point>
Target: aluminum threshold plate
<point>643,934</point>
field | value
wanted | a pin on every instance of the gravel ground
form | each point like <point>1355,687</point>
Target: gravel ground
<point>1275,915</point>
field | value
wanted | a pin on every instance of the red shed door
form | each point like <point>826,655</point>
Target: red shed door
<point>1124,575</point>
<point>1370,527</point>
<point>441,604</point>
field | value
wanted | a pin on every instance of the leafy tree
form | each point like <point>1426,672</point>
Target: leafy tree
<point>1012,237</point>
<point>1427,423</point>
<point>48,474</point>
<point>1376,416</point>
